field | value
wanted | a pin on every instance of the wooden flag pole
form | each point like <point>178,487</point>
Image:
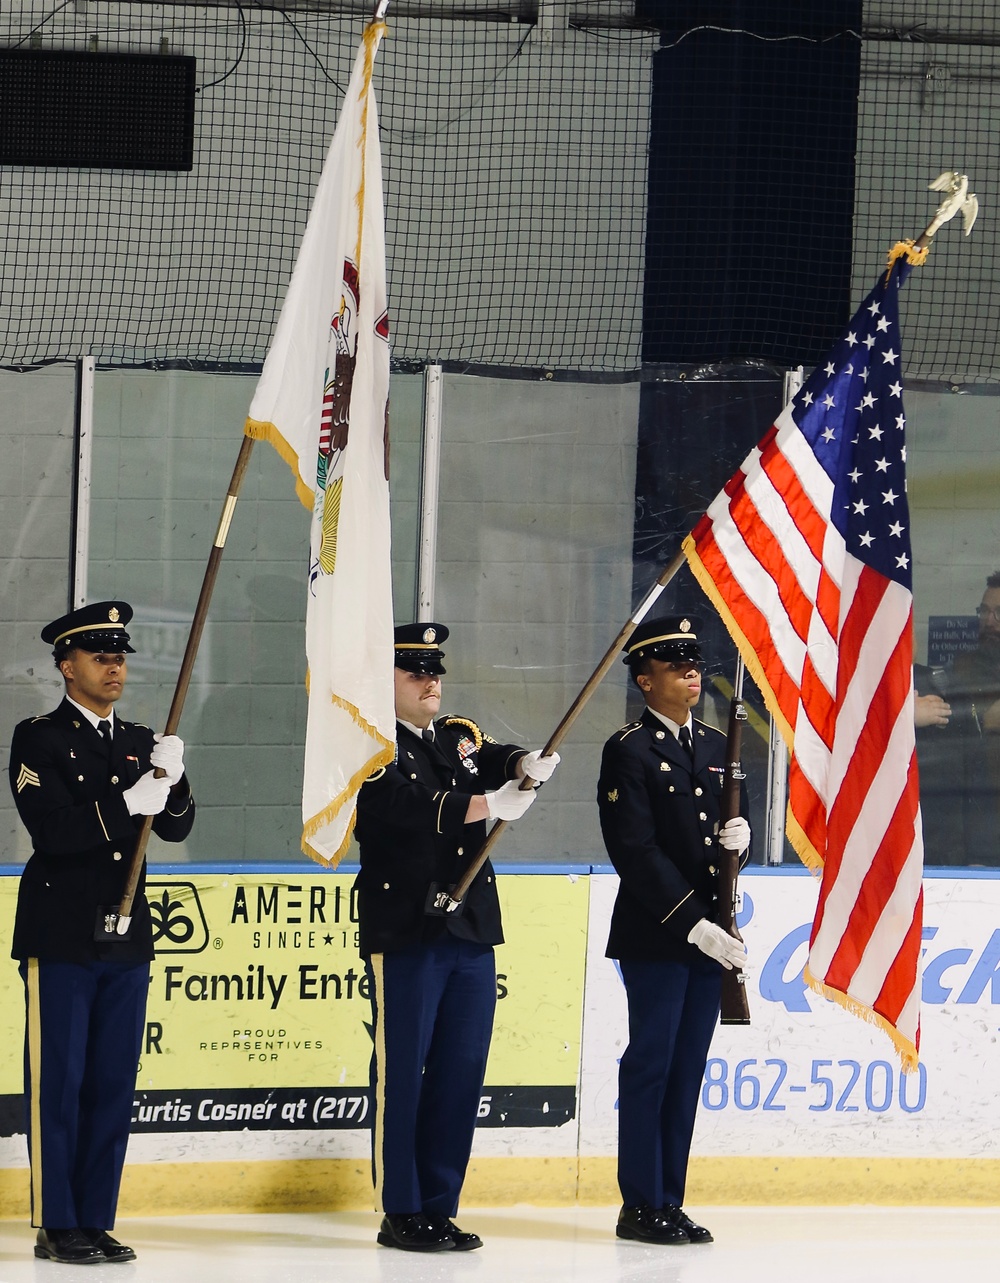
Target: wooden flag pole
<point>449,901</point>
<point>119,921</point>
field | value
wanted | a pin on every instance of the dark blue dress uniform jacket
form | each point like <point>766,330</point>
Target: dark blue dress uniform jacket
<point>68,784</point>
<point>659,810</point>
<point>412,832</point>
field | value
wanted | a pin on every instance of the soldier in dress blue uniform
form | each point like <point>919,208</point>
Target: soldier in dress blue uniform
<point>83,780</point>
<point>659,796</point>
<point>420,822</point>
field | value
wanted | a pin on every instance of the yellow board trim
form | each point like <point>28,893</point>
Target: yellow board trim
<point>344,1184</point>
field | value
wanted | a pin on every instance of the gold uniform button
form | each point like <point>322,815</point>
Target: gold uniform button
<point>489,879</point>
<point>114,779</point>
<point>117,855</point>
<point>80,778</point>
<point>385,886</point>
<point>659,735</point>
<point>702,815</point>
<point>461,850</point>
<point>670,789</point>
<point>711,868</point>
<point>698,792</point>
<point>413,777</point>
<point>708,841</point>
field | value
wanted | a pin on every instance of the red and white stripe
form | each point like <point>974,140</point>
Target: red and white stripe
<point>829,642</point>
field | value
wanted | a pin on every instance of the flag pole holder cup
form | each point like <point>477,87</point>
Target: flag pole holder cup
<point>439,902</point>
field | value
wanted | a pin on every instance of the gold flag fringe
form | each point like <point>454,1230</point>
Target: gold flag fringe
<point>373,35</point>
<point>905,1048</point>
<point>316,822</point>
<point>259,431</point>
<point>906,249</point>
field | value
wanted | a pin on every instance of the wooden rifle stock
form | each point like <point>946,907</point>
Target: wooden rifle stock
<point>735,1007</point>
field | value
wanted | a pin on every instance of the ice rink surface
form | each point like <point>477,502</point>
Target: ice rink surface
<point>554,1245</point>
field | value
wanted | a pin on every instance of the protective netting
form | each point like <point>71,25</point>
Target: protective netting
<point>516,143</point>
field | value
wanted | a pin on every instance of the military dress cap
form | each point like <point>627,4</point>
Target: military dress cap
<point>97,627</point>
<point>670,638</point>
<point>418,650</point>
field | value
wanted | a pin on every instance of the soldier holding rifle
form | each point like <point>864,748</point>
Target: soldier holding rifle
<point>659,797</point>
<point>83,780</point>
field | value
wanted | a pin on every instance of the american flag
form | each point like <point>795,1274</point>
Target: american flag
<point>806,555</point>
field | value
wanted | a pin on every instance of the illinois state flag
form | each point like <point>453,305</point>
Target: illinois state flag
<point>322,403</point>
<point>806,555</point>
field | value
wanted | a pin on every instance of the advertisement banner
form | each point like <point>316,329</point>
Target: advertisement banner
<point>805,1078</point>
<point>259,1017</point>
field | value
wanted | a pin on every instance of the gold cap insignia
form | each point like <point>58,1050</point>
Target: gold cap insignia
<point>613,795</point>
<point>685,625</point>
<point>430,635</point>
<point>113,615</point>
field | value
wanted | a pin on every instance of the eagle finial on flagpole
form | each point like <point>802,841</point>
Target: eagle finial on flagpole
<point>957,198</point>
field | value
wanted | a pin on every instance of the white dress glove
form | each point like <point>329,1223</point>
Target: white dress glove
<point>147,796</point>
<point>168,755</point>
<point>509,802</point>
<point>710,938</point>
<point>539,768</point>
<point>735,835</point>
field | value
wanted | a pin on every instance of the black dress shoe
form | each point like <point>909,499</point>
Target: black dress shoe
<point>680,1218</point>
<point>464,1242</point>
<point>68,1247</point>
<point>414,1233</point>
<point>649,1225</point>
<point>112,1249</point>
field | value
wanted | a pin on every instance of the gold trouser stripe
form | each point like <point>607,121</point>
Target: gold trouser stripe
<point>35,1088</point>
<point>378,1139</point>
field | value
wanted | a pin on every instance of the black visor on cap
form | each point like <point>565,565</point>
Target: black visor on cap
<point>421,661</point>
<point>672,652</point>
<point>101,641</point>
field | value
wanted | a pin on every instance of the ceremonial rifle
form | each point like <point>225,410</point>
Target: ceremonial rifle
<point>735,1007</point>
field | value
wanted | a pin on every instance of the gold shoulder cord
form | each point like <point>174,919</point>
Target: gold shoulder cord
<point>477,734</point>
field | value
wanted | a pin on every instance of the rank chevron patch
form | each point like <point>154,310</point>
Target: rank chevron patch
<point>27,776</point>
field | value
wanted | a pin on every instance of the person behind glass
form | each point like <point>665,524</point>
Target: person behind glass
<point>659,798</point>
<point>420,822</point>
<point>83,780</point>
<point>957,716</point>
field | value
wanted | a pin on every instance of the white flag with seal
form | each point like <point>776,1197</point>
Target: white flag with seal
<point>322,402</point>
